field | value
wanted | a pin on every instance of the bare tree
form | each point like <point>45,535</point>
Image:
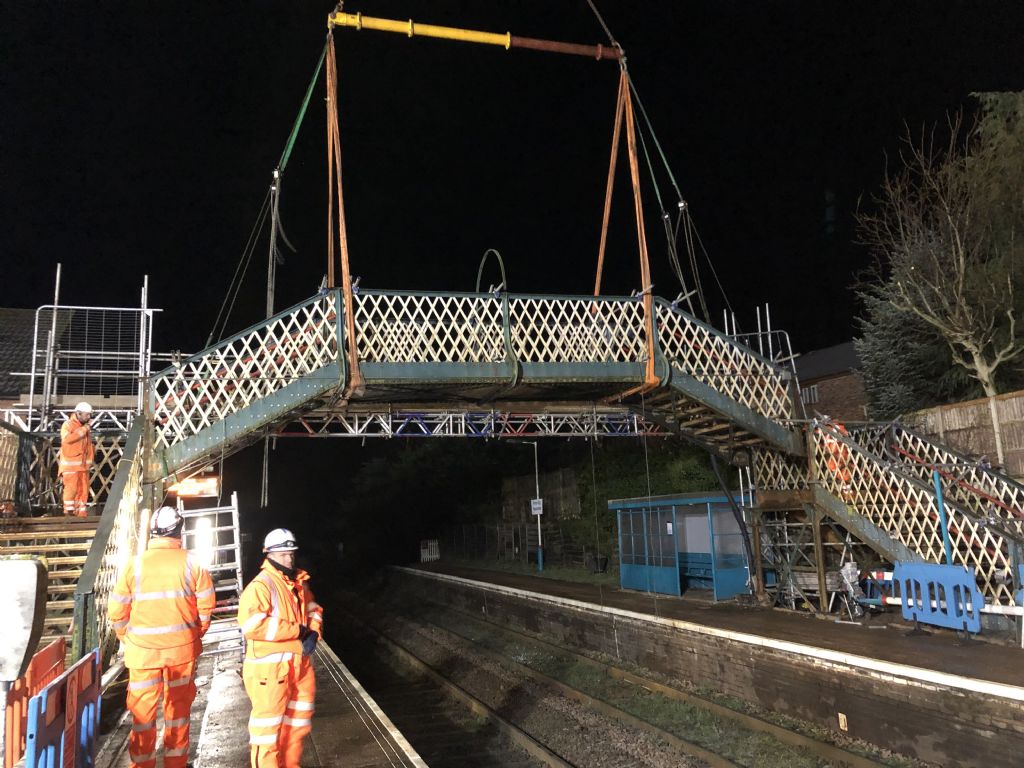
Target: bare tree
<point>946,233</point>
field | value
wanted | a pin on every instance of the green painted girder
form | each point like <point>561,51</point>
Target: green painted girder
<point>779,435</point>
<point>221,434</point>
<point>869,533</point>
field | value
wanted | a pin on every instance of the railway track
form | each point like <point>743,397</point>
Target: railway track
<point>625,719</point>
<point>448,727</point>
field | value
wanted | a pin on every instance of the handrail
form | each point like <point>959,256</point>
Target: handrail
<point>114,543</point>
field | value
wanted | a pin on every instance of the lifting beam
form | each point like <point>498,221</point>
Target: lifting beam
<point>505,40</point>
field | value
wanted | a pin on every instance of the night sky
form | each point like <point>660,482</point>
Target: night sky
<point>139,138</point>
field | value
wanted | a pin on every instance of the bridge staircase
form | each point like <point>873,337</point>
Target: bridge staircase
<point>64,543</point>
<point>876,484</point>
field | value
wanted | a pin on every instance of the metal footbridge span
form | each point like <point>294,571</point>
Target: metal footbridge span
<point>476,354</point>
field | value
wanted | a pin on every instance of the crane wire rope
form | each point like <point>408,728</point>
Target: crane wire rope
<point>690,234</point>
<point>236,280</point>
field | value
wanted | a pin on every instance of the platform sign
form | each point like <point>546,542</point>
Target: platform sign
<point>537,506</point>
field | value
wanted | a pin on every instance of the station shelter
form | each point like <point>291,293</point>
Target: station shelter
<point>671,544</point>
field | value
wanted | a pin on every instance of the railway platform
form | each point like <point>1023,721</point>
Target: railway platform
<point>348,728</point>
<point>924,696</point>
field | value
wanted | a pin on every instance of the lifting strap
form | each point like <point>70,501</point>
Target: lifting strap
<point>616,139</point>
<point>355,382</point>
<point>624,106</point>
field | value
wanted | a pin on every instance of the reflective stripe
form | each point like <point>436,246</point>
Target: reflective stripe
<point>138,685</point>
<point>162,595</point>
<point>166,629</point>
<point>142,758</point>
<point>267,739</point>
<point>265,722</point>
<point>119,624</point>
<point>316,617</point>
<point>176,752</point>
<point>252,621</point>
<point>175,723</point>
<point>301,706</point>
<point>297,721</point>
<point>140,727</point>
<point>179,682</point>
<point>204,618</point>
<point>123,599</point>
<point>272,658</point>
<point>205,592</point>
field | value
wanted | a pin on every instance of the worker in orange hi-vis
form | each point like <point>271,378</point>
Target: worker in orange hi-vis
<point>281,624</point>
<point>160,608</point>
<point>76,457</point>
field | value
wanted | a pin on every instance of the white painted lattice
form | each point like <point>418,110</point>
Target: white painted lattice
<point>724,365</point>
<point>117,549</point>
<point>578,330</point>
<point>986,494</point>
<point>222,380</point>
<point>8,464</point>
<point>407,328</point>
<point>778,471</point>
<point>906,510</point>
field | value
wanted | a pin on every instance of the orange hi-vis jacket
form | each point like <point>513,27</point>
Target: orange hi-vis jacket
<point>271,610</point>
<point>76,449</point>
<point>161,606</point>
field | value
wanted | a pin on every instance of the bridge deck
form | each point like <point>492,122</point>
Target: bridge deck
<point>348,727</point>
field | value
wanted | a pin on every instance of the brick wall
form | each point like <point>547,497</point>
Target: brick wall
<point>841,397</point>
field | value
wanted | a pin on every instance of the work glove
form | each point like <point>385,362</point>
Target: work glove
<point>309,642</point>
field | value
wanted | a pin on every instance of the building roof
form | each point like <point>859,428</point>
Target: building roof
<point>16,329</point>
<point>827,362</point>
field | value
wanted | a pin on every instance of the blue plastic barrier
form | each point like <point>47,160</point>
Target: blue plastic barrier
<point>941,595</point>
<point>64,717</point>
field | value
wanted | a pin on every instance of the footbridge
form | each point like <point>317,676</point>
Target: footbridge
<point>495,365</point>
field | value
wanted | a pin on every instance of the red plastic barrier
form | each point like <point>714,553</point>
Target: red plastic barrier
<point>46,666</point>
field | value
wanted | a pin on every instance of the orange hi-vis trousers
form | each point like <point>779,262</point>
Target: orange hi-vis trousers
<point>76,492</point>
<point>282,687</point>
<point>146,687</point>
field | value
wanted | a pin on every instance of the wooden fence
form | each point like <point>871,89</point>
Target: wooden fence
<point>990,426</point>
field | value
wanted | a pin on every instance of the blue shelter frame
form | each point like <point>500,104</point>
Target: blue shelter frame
<point>668,544</point>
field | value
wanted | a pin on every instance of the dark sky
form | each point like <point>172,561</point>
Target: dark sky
<point>139,138</point>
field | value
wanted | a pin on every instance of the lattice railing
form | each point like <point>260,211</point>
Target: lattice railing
<point>726,366</point>
<point>577,330</point>
<point>778,471</point>
<point>429,328</point>
<point>115,543</point>
<point>222,380</point>
<point>986,494</point>
<point>906,509</point>
<point>9,443</point>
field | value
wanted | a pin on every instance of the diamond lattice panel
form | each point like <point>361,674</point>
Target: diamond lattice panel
<point>776,471</point>
<point>406,328</point>
<point>724,365</point>
<point>8,464</point>
<point>546,330</point>
<point>906,510</point>
<point>988,495</point>
<point>118,549</point>
<point>223,380</point>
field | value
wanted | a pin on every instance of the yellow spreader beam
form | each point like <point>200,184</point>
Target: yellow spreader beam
<point>506,40</point>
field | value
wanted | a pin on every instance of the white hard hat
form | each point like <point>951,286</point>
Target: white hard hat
<point>280,540</point>
<point>166,522</point>
<point>83,407</point>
